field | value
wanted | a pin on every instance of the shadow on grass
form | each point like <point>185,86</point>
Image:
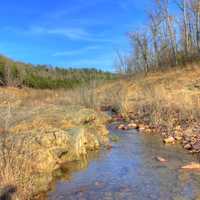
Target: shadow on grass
<point>7,192</point>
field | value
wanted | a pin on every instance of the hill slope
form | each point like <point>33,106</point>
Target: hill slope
<point>166,102</point>
<point>14,73</point>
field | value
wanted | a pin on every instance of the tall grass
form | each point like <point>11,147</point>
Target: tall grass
<point>14,167</point>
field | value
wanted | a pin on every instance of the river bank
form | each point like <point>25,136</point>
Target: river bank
<point>166,103</point>
<point>38,136</point>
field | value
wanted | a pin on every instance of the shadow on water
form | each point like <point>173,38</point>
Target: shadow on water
<point>129,171</point>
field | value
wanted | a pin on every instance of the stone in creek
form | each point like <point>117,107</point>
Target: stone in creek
<point>99,184</point>
<point>160,159</point>
<point>188,146</point>
<point>133,125</point>
<point>169,140</point>
<point>192,165</point>
<point>123,127</point>
<point>141,128</point>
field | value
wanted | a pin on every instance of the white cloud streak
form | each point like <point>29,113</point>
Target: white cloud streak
<point>76,52</point>
<point>71,33</point>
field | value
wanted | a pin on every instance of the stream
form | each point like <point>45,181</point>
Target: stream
<point>129,171</point>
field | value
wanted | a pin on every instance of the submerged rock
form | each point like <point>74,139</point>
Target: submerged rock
<point>160,159</point>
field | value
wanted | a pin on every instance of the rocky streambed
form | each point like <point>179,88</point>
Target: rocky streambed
<point>138,166</point>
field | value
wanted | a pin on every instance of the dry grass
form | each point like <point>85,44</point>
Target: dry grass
<point>15,171</point>
<point>19,104</point>
<point>161,99</point>
<point>166,99</point>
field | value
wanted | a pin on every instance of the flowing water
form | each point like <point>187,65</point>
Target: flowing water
<point>130,171</point>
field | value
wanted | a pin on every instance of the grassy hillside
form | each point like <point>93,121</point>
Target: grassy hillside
<point>167,103</point>
<point>14,73</point>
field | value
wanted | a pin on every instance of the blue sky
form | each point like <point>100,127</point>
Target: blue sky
<point>68,33</point>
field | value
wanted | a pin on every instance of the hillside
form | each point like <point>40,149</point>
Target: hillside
<point>13,73</point>
<point>163,102</point>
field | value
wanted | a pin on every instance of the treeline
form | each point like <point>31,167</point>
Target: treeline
<point>170,38</point>
<point>20,74</point>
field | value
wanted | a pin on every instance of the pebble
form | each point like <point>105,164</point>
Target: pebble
<point>133,125</point>
<point>188,146</point>
<point>158,158</point>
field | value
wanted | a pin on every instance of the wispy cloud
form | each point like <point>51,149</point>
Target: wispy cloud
<point>71,33</point>
<point>76,52</point>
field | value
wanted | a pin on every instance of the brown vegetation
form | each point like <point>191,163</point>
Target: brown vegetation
<point>28,122</point>
<point>167,103</point>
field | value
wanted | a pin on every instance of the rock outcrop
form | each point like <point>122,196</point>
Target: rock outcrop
<point>53,136</point>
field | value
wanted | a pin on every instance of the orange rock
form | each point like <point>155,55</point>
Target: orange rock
<point>192,165</point>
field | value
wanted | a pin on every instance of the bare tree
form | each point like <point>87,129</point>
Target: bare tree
<point>170,38</point>
<point>140,43</point>
<point>121,63</point>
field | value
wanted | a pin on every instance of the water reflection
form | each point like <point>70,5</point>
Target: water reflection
<point>66,171</point>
